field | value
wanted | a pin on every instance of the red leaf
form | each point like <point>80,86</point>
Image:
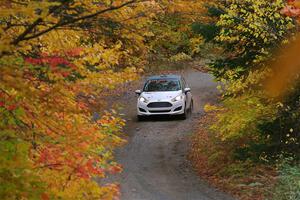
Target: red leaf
<point>290,11</point>
<point>115,169</point>
<point>74,52</point>
<point>65,74</point>
<point>12,107</point>
<point>45,196</point>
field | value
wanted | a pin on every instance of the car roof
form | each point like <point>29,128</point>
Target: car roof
<point>167,76</point>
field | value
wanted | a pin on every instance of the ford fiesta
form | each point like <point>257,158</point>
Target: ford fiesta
<point>164,95</point>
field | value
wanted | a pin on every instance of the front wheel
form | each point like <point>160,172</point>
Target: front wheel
<point>183,116</point>
<point>140,118</point>
<point>187,112</point>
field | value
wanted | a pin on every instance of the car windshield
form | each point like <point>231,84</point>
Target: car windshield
<point>159,85</point>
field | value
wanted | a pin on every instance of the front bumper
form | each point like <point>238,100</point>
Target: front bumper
<point>175,108</point>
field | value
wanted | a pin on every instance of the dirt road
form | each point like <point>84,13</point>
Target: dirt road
<point>154,160</point>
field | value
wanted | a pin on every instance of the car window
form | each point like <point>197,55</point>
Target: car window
<point>156,85</point>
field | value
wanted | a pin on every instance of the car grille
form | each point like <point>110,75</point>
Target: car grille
<point>159,105</point>
<point>159,111</point>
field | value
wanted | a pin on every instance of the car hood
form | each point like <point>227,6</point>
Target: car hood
<point>161,96</point>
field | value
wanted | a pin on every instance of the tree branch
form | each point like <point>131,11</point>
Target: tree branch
<point>64,23</point>
<point>35,23</point>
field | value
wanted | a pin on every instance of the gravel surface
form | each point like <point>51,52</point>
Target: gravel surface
<point>154,160</point>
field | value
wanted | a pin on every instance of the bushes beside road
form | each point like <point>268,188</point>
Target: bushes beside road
<point>255,127</point>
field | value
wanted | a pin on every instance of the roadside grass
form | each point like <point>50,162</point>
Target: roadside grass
<point>213,160</point>
<point>288,185</point>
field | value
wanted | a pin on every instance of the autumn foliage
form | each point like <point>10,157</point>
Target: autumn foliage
<point>251,145</point>
<point>56,56</point>
<point>51,53</point>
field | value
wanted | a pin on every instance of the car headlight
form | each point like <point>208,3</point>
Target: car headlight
<point>143,99</point>
<point>178,98</point>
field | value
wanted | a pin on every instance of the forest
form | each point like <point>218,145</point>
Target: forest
<point>61,59</point>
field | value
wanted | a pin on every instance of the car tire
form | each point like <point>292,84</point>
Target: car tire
<point>187,113</point>
<point>140,118</point>
<point>184,115</point>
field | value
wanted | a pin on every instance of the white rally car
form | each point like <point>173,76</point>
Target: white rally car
<point>164,95</point>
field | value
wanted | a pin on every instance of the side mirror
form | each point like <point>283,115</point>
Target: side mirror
<point>186,90</point>
<point>138,92</point>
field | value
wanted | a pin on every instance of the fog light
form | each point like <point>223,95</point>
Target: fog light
<point>179,108</point>
<point>142,110</point>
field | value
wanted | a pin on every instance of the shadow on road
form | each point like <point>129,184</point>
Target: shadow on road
<point>160,118</point>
